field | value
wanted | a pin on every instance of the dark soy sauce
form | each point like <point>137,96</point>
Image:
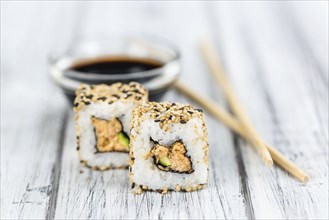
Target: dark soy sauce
<point>110,65</point>
<point>115,65</point>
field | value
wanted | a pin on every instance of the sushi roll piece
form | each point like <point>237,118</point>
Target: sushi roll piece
<point>168,148</point>
<point>102,120</point>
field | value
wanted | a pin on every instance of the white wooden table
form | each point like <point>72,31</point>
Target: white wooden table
<point>276,56</point>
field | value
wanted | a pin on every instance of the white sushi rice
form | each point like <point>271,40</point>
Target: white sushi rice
<point>103,110</point>
<point>144,170</point>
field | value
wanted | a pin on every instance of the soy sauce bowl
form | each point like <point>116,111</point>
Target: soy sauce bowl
<point>157,80</point>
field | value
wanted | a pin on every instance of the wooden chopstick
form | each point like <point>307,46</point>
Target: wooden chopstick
<point>222,115</point>
<point>212,60</point>
<point>216,110</point>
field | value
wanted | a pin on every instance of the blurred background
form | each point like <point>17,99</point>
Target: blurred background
<point>33,30</point>
<point>274,52</point>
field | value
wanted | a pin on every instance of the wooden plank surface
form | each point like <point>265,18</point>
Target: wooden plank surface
<point>31,124</point>
<point>276,56</point>
<point>270,80</point>
<point>33,112</point>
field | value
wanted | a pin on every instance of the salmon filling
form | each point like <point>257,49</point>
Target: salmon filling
<point>110,136</point>
<point>172,158</point>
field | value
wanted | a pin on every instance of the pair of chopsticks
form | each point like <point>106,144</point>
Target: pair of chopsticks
<point>240,123</point>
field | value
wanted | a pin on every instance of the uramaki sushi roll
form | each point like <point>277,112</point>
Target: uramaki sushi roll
<point>102,120</point>
<point>168,148</point>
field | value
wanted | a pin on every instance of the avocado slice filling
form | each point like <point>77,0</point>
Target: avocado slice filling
<point>165,161</point>
<point>172,158</point>
<point>124,139</point>
<point>110,136</point>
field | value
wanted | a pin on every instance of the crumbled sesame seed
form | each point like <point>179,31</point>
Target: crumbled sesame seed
<point>102,98</point>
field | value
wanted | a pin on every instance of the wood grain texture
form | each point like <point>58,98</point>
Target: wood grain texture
<point>270,81</point>
<point>276,56</point>
<point>33,112</point>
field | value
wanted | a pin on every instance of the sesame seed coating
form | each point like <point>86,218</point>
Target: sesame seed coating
<point>87,94</point>
<point>166,113</point>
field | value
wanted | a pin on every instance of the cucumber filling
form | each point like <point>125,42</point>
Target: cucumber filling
<point>172,158</point>
<point>110,136</point>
